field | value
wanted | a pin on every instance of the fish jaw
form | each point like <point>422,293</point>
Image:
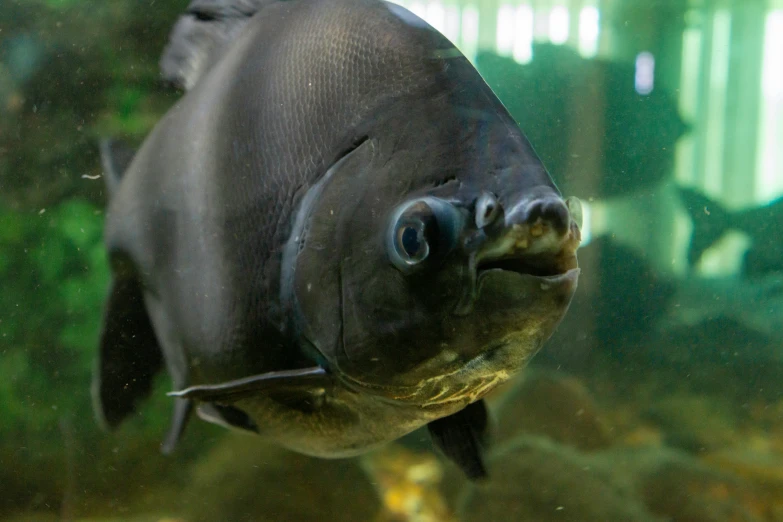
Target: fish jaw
<point>517,313</point>
<point>537,237</point>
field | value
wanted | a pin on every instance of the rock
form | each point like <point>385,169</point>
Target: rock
<point>674,484</point>
<point>682,488</point>
<point>759,465</point>
<point>532,478</point>
<point>695,423</point>
<point>246,479</point>
<point>408,483</point>
<point>552,405</point>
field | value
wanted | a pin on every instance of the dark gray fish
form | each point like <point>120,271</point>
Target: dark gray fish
<point>337,236</point>
<point>763,225</point>
<point>753,303</point>
<point>636,132</point>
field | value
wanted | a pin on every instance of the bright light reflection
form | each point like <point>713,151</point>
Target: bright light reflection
<point>435,15</point>
<point>558,25</point>
<point>716,108</point>
<point>769,162</point>
<point>451,23</point>
<point>470,31</point>
<point>587,232</point>
<point>589,29</point>
<point>505,29</point>
<point>685,153</point>
<point>419,9</point>
<point>523,34</point>
<point>644,80</point>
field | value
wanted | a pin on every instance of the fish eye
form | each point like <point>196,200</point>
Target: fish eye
<point>487,210</point>
<point>411,243</point>
<point>420,229</point>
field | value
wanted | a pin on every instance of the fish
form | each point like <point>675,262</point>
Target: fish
<point>636,132</point>
<point>668,306</point>
<point>762,225</point>
<point>622,270</point>
<point>754,304</point>
<point>336,236</point>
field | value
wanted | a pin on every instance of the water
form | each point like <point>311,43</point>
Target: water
<point>660,397</point>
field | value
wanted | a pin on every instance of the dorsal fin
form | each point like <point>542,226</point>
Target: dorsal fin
<point>200,35</point>
<point>116,155</point>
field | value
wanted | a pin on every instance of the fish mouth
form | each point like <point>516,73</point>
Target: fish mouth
<point>542,269</point>
<point>537,250</point>
<point>542,266</point>
<point>540,248</point>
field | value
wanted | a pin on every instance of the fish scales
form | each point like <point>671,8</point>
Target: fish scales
<point>320,237</point>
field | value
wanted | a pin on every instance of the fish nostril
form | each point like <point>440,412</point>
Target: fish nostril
<point>552,211</point>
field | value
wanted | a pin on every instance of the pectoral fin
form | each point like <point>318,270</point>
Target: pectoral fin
<point>235,390</point>
<point>462,437</point>
<point>179,421</point>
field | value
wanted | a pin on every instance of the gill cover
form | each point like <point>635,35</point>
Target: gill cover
<point>310,282</point>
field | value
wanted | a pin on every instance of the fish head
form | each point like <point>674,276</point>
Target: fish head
<point>437,258</point>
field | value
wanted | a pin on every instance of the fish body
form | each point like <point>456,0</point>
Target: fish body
<point>338,235</point>
<point>565,100</point>
<point>762,225</point>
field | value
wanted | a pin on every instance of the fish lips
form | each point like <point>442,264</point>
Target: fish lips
<point>509,291</point>
<point>518,283</point>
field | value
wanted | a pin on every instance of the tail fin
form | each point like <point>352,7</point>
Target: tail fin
<point>710,222</point>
